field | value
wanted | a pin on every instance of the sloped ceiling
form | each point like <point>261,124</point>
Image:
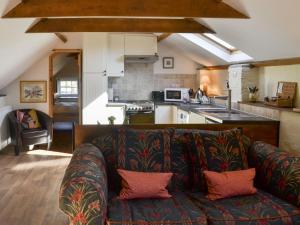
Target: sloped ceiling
<point>270,33</point>
<point>19,51</point>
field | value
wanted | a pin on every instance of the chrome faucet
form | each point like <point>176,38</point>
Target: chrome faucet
<point>229,106</point>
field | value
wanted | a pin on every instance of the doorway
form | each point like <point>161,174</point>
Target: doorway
<point>65,89</point>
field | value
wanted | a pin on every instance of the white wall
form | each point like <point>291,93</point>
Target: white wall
<point>39,71</point>
<point>270,76</point>
<point>2,101</point>
<point>182,64</point>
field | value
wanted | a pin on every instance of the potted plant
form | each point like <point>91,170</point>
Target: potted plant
<point>253,90</point>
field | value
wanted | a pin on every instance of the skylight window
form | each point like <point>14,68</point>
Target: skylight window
<point>229,55</point>
<point>220,42</point>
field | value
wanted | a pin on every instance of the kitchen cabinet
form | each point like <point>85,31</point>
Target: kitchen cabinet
<point>95,52</point>
<point>196,119</point>
<point>4,127</point>
<point>115,55</point>
<point>140,44</point>
<point>95,97</point>
<point>164,114</point>
<point>182,116</point>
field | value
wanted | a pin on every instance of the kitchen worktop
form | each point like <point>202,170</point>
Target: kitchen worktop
<point>219,114</point>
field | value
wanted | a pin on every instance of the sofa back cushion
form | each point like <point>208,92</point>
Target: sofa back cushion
<point>218,151</point>
<point>278,172</point>
<point>143,150</point>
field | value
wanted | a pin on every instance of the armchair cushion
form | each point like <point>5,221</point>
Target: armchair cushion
<point>278,172</point>
<point>34,133</point>
<point>259,209</point>
<point>28,119</point>
<point>176,210</point>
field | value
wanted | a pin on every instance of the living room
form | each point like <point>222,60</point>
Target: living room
<point>153,112</point>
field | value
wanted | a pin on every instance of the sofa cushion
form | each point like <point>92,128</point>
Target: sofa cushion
<point>259,209</point>
<point>218,151</point>
<point>278,172</point>
<point>176,210</point>
<point>143,150</point>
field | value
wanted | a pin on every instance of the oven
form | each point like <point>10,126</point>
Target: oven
<point>136,118</point>
<point>177,95</point>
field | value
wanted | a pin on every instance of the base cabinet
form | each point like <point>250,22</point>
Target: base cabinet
<point>196,119</point>
<point>164,115</point>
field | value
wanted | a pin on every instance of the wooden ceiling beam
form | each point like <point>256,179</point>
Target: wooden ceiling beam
<point>163,36</point>
<point>63,25</point>
<point>124,8</point>
<point>62,37</point>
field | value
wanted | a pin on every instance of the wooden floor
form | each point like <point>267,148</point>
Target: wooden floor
<point>29,187</point>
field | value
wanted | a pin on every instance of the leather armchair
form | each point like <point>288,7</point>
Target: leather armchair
<point>21,137</point>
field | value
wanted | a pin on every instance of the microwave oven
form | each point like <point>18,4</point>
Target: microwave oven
<point>177,95</point>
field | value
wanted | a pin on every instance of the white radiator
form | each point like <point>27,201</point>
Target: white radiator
<point>4,127</point>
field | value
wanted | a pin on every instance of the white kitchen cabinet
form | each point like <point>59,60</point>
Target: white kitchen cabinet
<point>95,52</point>
<point>182,116</point>
<point>140,44</point>
<point>4,127</point>
<point>95,97</point>
<point>164,114</point>
<point>115,55</point>
<point>196,119</point>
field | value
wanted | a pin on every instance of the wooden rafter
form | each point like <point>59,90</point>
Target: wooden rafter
<point>124,8</point>
<point>117,25</point>
<point>163,37</point>
<point>62,37</point>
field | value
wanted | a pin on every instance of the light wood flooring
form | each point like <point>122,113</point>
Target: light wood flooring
<point>29,187</point>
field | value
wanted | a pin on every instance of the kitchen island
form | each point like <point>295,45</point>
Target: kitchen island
<point>190,113</point>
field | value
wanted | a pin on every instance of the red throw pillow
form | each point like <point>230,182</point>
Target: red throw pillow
<point>229,184</point>
<point>144,185</point>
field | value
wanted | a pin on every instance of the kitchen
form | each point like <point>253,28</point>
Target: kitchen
<point>142,90</point>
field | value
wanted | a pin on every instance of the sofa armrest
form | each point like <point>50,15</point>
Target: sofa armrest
<point>277,171</point>
<point>83,193</point>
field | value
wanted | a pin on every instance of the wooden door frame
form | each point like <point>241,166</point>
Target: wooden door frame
<point>55,52</point>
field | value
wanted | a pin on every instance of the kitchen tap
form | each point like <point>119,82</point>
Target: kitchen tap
<point>229,106</point>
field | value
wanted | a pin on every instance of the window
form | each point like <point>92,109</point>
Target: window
<point>68,87</point>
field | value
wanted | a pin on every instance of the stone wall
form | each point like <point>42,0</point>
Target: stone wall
<point>139,82</point>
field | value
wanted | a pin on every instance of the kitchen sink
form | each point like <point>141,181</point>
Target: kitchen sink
<point>221,112</point>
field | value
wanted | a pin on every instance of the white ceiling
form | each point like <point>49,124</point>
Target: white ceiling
<point>19,51</point>
<point>271,33</point>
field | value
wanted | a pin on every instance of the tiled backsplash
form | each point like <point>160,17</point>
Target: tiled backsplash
<point>139,81</point>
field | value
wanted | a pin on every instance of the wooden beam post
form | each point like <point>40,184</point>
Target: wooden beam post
<point>124,8</point>
<point>163,37</point>
<point>63,25</point>
<point>62,37</point>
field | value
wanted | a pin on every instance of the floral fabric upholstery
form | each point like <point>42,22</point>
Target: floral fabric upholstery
<point>217,151</point>
<point>278,172</point>
<point>83,193</point>
<point>106,144</point>
<point>177,210</point>
<point>143,150</point>
<point>259,209</point>
<point>181,160</point>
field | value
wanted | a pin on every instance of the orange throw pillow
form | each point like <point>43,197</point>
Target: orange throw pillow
<point>144,185</point>
<point>229,184</point>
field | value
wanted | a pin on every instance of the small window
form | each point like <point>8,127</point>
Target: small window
<point>68,87</point>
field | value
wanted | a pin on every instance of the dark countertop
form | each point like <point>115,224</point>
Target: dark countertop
<point>225,118</point>
<point>262,105</point>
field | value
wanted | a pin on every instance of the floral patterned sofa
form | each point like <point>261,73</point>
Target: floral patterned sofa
<point>91,184</point>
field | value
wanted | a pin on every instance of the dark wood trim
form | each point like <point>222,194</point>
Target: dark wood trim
<point>268,133</point>
<point>55,52</point>
<point>163,36</point>
<point>63,25</point>
<point>125,8</point>
<point>62,37</point>
<point>275,62</point>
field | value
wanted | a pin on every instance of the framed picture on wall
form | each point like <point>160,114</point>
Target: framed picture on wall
<point>168,62</point>
<point>33,91</point>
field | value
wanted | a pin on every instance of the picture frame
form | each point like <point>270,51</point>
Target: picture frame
<point>168,62</point>
<point>33,91</point>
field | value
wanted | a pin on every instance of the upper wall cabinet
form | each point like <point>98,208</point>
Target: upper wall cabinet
<point>95,52</point>
<point>115,55</point>
<point>140,44</point>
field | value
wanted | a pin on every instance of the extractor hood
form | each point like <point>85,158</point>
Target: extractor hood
<point>148,59</point>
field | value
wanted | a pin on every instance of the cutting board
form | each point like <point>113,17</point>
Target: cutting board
<point>296,110</point>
